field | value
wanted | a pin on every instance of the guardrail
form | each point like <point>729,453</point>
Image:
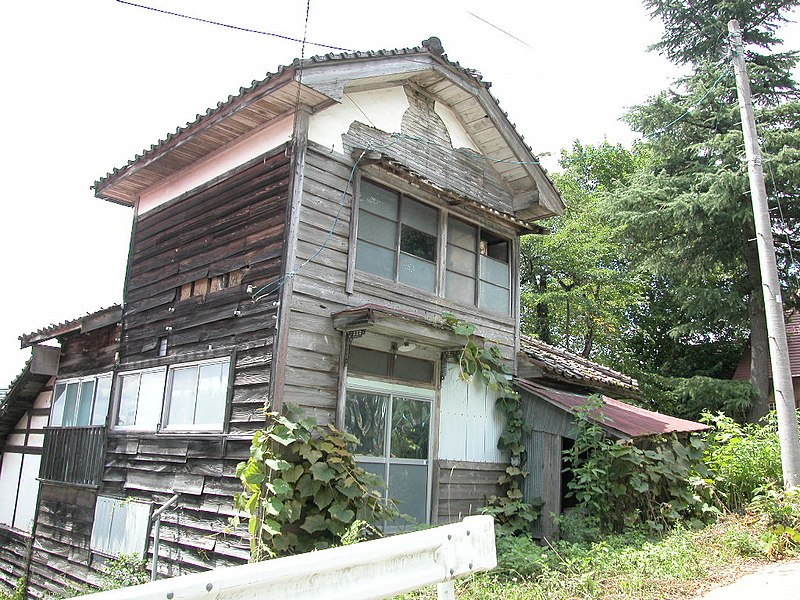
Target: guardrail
<point>374,569</point>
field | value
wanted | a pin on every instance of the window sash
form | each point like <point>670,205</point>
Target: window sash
<point>81,402</point>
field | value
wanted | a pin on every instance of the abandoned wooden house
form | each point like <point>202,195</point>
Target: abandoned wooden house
<point>297,243</point>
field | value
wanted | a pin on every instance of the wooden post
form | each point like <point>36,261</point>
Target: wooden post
<point>773,304</point>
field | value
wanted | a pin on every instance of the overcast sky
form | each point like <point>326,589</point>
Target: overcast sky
<point>87,85</point>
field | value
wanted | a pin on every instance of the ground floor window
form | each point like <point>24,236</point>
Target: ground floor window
<point>392,423</point>
<point>120,526</point>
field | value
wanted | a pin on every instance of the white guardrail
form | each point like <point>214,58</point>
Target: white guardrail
<point>374,569</point>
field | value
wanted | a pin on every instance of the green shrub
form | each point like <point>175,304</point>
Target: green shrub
<point>124,571</point>
<point>742,458</point>
<point>18,593</point>
<point>689,398</point>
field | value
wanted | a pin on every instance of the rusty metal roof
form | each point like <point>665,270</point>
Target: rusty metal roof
<point>88,322</point>
<point>573,368</point>
<point>793,342</point>
<point>624,419</point>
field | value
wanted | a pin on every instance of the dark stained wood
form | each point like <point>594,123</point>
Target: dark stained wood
<point>463,487</point>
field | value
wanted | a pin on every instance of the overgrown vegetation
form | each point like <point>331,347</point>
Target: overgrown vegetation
<point>124,571</point>
<point>512,514</point>
<point>302,489</point>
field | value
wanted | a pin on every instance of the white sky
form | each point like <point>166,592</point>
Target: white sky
<point>89,84</point>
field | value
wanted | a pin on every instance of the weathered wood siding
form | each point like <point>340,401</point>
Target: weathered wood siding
<point>312,360</point>
<point>461,488</point>
<point>13,550</point>
<point>89,353</point>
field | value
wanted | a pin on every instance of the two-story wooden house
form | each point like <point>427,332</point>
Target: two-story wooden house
<point>297,243</point>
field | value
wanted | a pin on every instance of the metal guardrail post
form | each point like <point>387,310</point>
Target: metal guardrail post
<point>157,533</point>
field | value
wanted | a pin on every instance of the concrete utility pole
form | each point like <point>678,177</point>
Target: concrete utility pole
<point>773,304</point>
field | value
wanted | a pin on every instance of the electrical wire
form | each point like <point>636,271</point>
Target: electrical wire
<point>234,27</point>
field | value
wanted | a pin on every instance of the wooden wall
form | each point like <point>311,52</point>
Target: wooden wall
<point>461,488</point>
<point>89,353</point>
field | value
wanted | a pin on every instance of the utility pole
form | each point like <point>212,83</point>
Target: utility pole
<point>773,304</point>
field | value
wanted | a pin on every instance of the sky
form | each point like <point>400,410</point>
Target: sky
<point>88,85</point>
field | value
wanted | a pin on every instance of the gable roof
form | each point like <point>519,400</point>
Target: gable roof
<point>320,82</point>
<point>625,420</point>
<point>567,367</point>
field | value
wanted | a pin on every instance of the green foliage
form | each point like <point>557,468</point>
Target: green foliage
<point>576,285</point>
<point>509,510</point>
<point>18,593</point>
<point>779,512</point>
<point>657,483</point>
<point>742,458</point>
<point>690,398</point>
<point>124,571</point>
<point>302,488</point>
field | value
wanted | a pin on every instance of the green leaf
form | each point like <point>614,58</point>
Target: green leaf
<point>322,472</point>
<point>340,512</point>
<point>323,497</point>
<point>315,522</point>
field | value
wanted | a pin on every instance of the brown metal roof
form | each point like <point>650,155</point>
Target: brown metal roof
<point>792,340</point>
<point>625,419</point>
<point>88,322</point>
<point>277,95</point>
<point>573,368</point>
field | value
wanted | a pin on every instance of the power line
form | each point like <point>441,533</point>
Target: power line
<point>234,27</point>
<point>501,30</point>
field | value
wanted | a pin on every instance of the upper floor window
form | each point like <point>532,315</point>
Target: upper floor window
<point>81,402</point>
<point>183,397</point>
<point>398,239</point>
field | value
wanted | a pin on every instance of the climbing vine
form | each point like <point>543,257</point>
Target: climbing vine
<point>510,511</point>
<point>302,489</point>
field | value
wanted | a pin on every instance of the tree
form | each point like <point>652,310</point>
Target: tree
<point>687,214</point>
<point>576,287</point>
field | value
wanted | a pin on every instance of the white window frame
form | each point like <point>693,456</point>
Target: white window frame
<point>167,401</point>
<point>80,380</point>
<point>134,539</point>
<point>358,384</point>
<point>162,425</point>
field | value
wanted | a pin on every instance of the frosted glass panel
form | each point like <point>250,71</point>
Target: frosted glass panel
<point>378,200</point>
<point>374,259</point>
<point>151,393</point>
<point>182,396</point>
<point>101,526</point>
<point>408,486</point>
<point>212,392</point>
<point>377,230</point>
<point>462,234</point>
<point>420,216</point>
<point>127,399</point>
<point>461,288</point>
<point>494,298</point>
<point>461,260</point>
<point>494,271</point>
<point>417,272</point>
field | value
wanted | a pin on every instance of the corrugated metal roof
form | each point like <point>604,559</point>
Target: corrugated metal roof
<point>793,342</point>
<point>625,419</point>
<point>87,322</point>
<point>574,367</point>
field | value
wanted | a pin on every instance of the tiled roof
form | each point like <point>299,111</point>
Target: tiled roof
<point>625,419</point>
<point>793,342</point>
<point>573,368</point>
<point>89,321</point>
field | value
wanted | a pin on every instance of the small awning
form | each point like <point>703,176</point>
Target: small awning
<point>625,420</point>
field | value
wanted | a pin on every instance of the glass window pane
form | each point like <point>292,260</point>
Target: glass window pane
<point>212,392</point>
<point>408,486</point>
<point>101,399</point>
<point>183,392</point>
<point>410,424</point>
<point>128,399</point>
<point>494,271</point>
<point>365,418</point>
<point>494,297</point>
<point>377,230</point>
<point>418,243</point>
<point>417,272</point>
<point>461,260</point>
<point>70,405</point>
<point>371,362</point>
<point>459,287</point>
<point>374,259</point>
<point>151,393</point>
<point>462,234</point>
<point>378,200</point>
<point>413,369</point>
<point>85,398</point>
<point>420,216</point>
<point>57,412</point>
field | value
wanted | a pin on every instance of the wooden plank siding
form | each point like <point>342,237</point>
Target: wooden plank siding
<point>89,353</point>
<point>461,488</point>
